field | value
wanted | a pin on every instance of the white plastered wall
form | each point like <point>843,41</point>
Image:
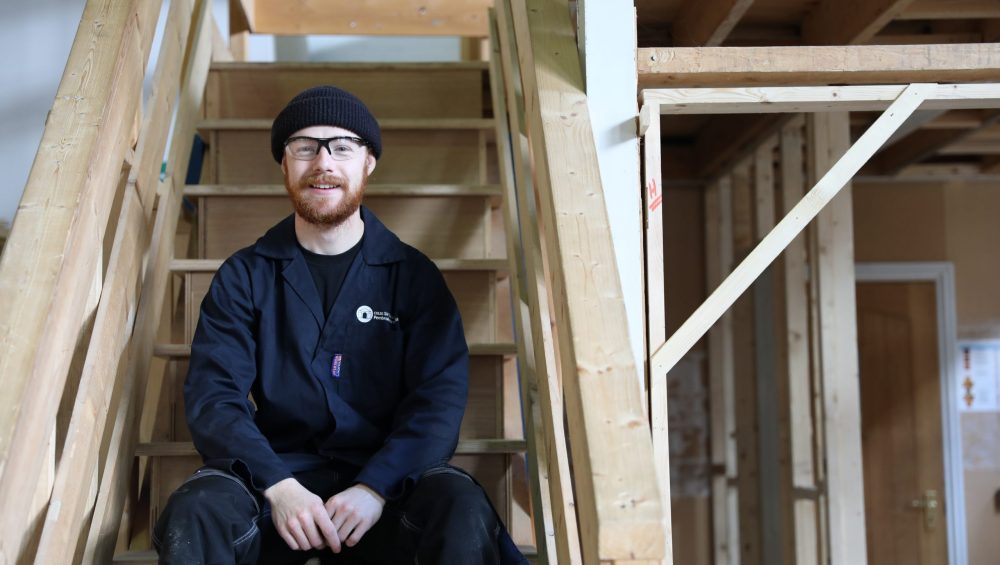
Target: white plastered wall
<point>607,46</point>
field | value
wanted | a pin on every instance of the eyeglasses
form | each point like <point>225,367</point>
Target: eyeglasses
<point>343,148</point>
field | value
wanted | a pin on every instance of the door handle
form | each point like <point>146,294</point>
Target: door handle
<point>929,504</point>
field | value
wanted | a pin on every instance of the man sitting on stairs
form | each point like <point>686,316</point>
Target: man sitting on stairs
<point>353,350</point>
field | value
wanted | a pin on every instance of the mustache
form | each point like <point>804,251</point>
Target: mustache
<point>324,179</point>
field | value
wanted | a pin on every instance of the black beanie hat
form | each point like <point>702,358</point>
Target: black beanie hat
<point>325,106</point>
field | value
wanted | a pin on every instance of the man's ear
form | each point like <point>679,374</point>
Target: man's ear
<point>370,163</point>
<point>284,166</point>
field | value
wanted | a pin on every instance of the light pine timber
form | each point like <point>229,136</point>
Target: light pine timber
<point>618,500</point>
<point>656,308</point>
<point>55,245</point>
<point>794,99</point>
<point>790,226</point>
<point>839,22</point>
<point>816,65</point>
<point>829,134</point>
<point>115,467</point>
<point>541,502</point>
<point>372,17</point>
<point>535,306</point>
<point>70,505</point>
<point>797,350</point>
<point>707,23</point>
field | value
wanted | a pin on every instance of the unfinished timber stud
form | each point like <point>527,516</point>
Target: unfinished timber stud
<point>622,517</point>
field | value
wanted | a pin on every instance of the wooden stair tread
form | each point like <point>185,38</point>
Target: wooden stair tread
<point>212,265</point>
<point>148,556</point>
<point>465,447</point>
<point>180,350</point>
<point>243,124</point>
<point>483,190</point>
<point>352,67</point>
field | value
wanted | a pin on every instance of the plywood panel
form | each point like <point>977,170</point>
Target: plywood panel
<point>247,90</point>
<point>899,222</point>
<point>973,235</point>
<point>476,297</point>
<point>438,227</point>
<point>409,156</point>
<point>483,411</point>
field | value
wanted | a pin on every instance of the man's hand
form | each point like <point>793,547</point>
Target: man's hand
<point>300,518</point>
<point>354,511</point>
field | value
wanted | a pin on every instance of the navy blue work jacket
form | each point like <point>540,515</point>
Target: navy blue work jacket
<point>378,387</point>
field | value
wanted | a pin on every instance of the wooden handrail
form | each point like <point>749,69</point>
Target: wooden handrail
<point>51,270</point>
<point>64,318</point>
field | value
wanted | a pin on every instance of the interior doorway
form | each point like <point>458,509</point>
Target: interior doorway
<point>914,506</point>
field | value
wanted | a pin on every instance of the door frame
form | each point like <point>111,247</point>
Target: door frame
<point>942,274</point>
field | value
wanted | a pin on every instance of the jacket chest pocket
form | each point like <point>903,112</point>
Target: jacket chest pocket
<point>372,369</point>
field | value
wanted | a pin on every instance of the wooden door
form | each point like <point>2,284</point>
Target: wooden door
<point>901,423</point>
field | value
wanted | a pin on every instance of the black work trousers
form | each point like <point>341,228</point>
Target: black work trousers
<point>214,519</point>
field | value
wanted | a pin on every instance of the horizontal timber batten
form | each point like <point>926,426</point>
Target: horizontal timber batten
<point>180,351</point>
<point>465,447</point>
<point>387,124</point>
<point>371,17</point>
<point>372,190</point>
<point>793,99</point>
<point>212,265</point>
<point>355,67</point>
<point>808,65</point>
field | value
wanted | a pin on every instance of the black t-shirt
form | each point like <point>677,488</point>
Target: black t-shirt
<point>329,272</point>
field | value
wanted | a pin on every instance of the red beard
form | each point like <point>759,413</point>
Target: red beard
<point>316,211</point>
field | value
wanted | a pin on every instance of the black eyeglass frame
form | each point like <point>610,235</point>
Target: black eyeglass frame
<point>325,142</point>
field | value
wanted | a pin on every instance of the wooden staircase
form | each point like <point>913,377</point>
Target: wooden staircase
<point>436,186</point>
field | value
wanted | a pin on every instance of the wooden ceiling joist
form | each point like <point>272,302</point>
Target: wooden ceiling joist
<point>465,18</point>
<point>785,66</point>
<point>922,144</point>
<point>951,10</point>
<point>707,23</point>
<point>849,22</point>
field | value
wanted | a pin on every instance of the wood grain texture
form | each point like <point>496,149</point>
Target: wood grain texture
<point>373,17</point>
<point>618,500</point>
<point>824,65</point>
<point>115,466</point>
<point>535,305</point>
<point>55,246</point>
<point>531,416</point>
<point>795,99</point>
<point>829,137</point>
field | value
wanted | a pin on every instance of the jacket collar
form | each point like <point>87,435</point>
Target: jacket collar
<point>378,247</point>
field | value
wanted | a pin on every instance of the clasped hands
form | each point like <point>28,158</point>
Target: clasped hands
<point>305,522</point>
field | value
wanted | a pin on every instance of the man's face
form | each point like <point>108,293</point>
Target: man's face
<point>326,191</point>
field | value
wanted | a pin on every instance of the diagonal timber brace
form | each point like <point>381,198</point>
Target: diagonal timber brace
<point>667,355</point>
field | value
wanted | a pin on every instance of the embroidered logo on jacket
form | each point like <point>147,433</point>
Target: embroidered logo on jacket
<point>366,314</point>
